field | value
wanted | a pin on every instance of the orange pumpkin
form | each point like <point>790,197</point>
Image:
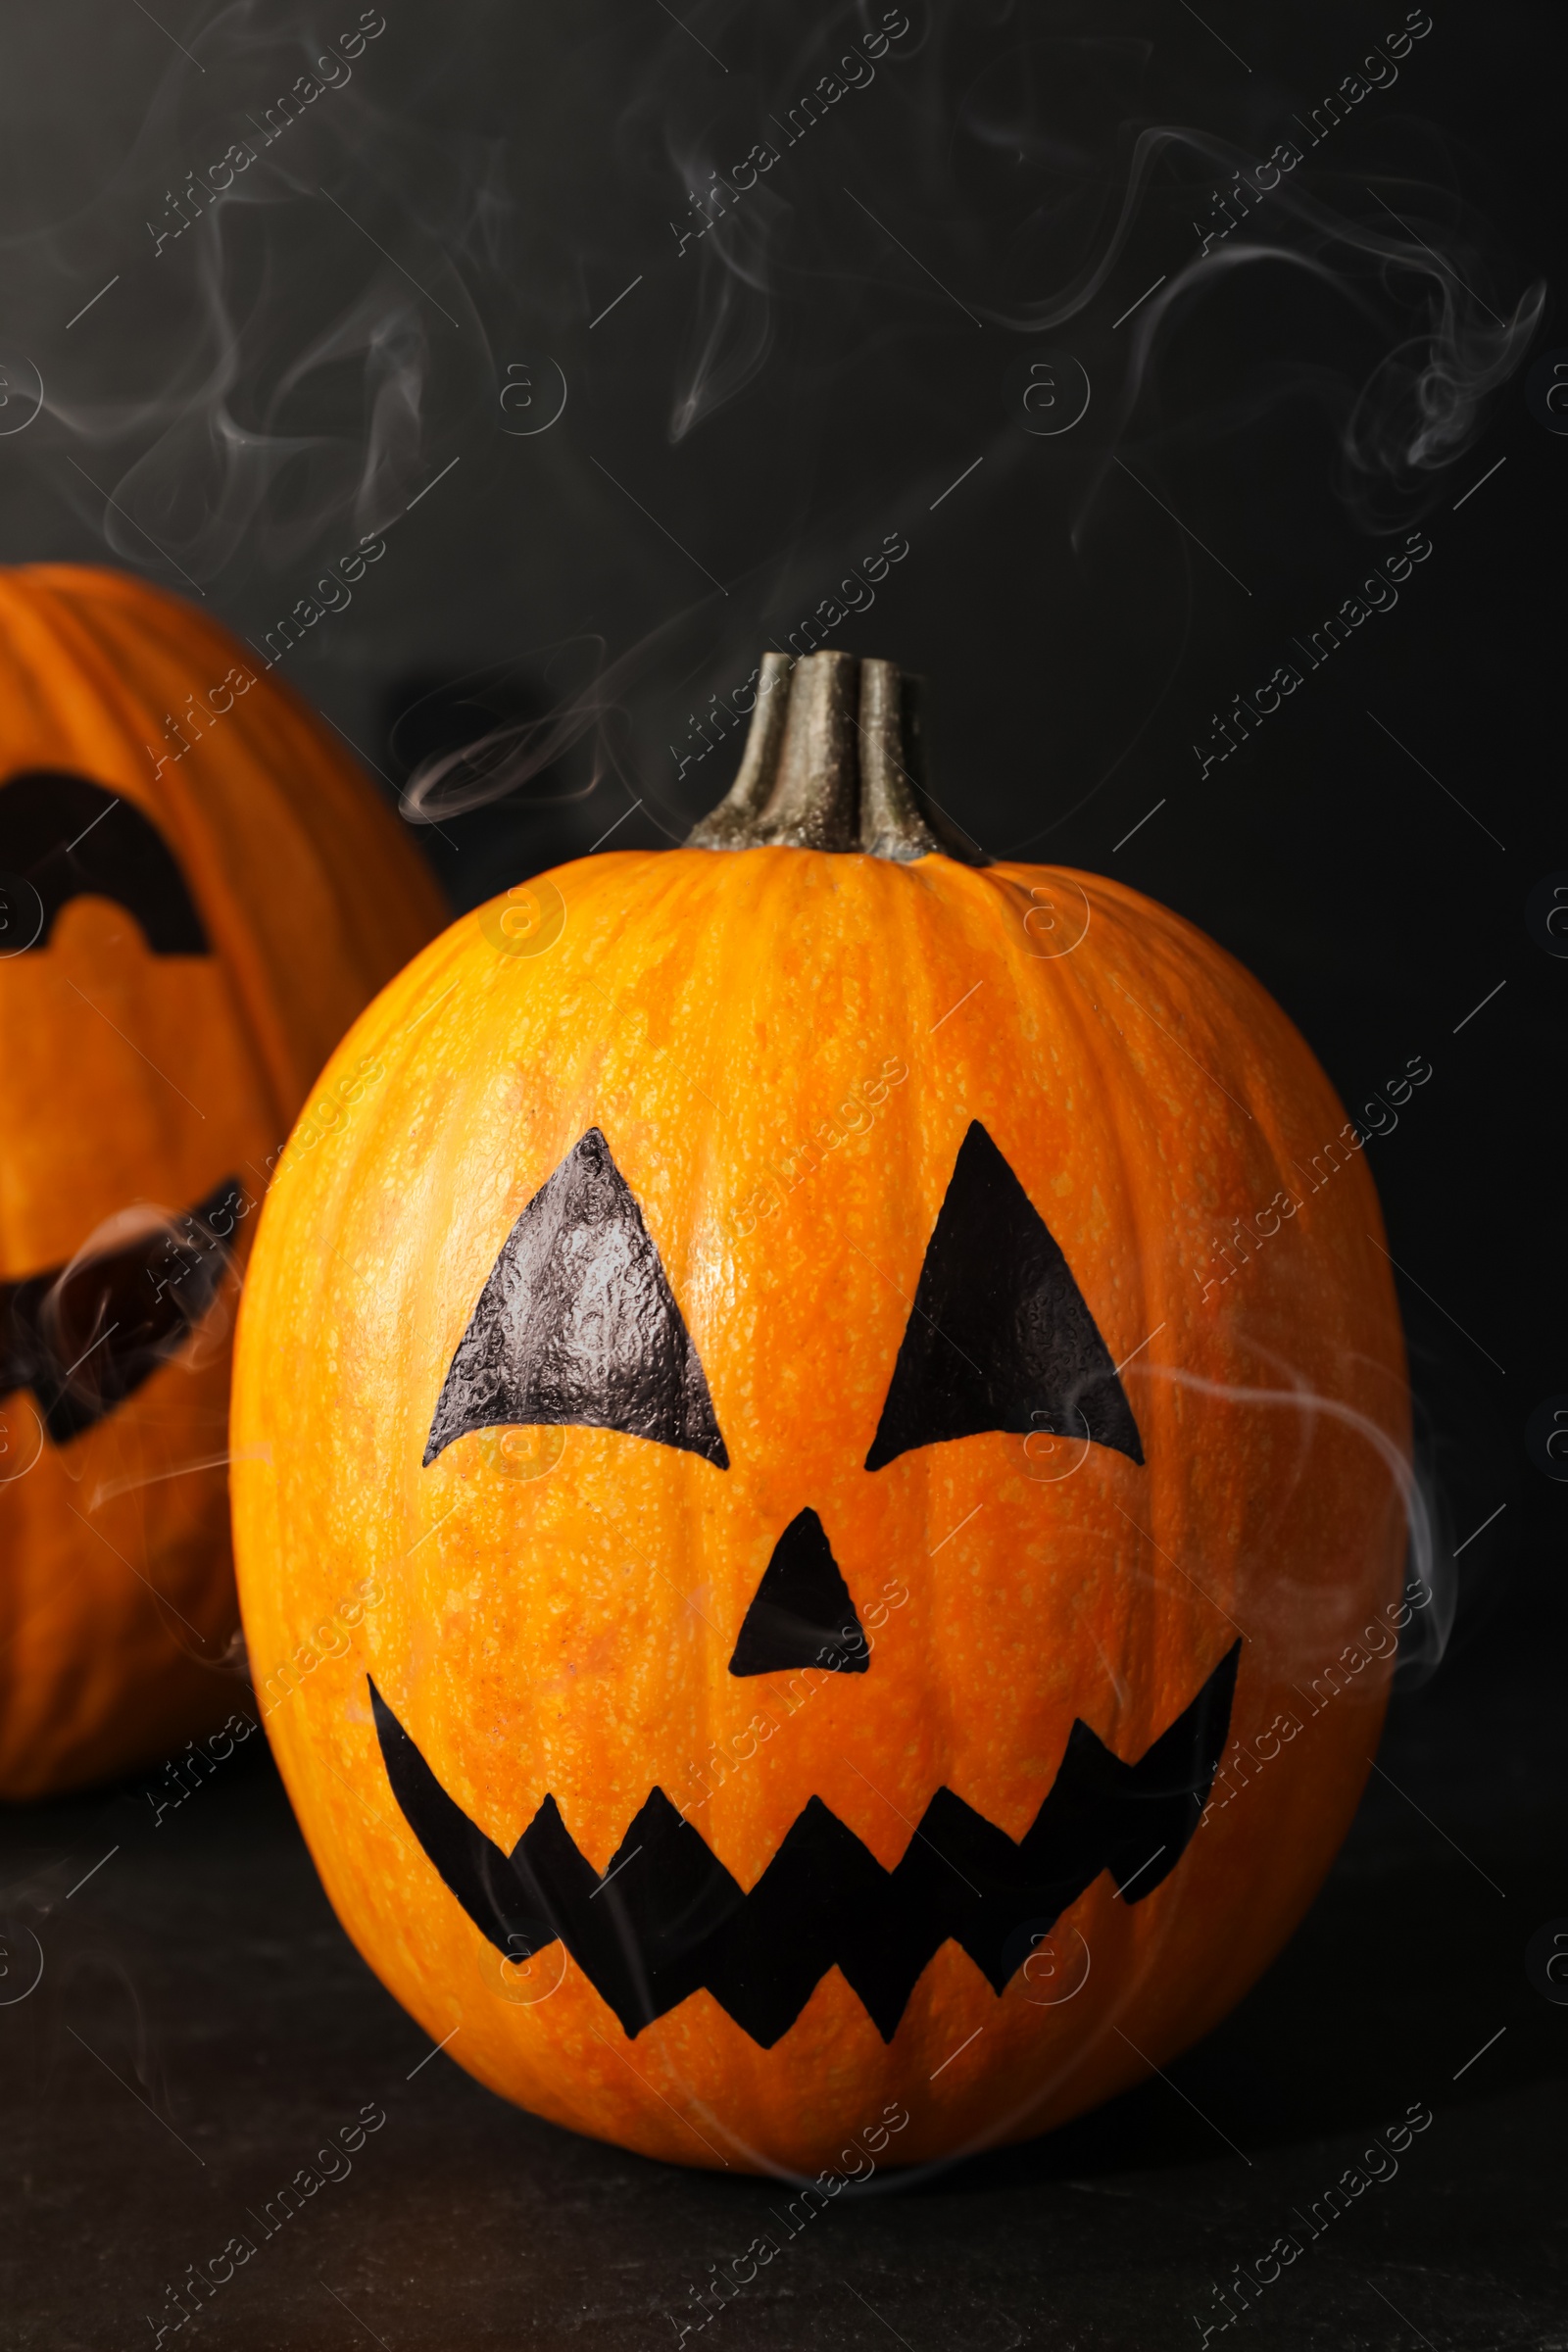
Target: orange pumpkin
<point>198,893</point>
<point>801,1452</point>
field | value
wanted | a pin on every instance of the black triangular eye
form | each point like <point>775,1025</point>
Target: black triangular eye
<point>999,1337</point>
<point>577,1324</point>
<point>71,839</point>
<point>802,1613</point>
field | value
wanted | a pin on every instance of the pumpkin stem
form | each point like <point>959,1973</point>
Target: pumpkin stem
<point>834,760</point>
<point>732,824</point>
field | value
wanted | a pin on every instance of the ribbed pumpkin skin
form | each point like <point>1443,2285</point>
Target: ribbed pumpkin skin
<point>570,1635</point>
<point>129,1078</point>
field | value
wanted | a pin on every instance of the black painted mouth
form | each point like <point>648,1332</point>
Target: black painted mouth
<point>83,1339</point>
<point>666,1919</point>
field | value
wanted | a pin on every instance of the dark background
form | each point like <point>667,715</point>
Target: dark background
<point>384,311</point>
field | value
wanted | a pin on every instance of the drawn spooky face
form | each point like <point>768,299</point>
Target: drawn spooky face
<point>177,957</point>
<point>577,1324</point>
<point>762,1542</point>
<point>100,1129</point>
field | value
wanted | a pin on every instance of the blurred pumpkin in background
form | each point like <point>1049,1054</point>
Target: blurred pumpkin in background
<point>198,892</point>
<point>799,1454</point>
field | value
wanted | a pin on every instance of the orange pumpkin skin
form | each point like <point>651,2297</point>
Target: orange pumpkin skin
<point>567,1634</point>
<point>130,1078</point>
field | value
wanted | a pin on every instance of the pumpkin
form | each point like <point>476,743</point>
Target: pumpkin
<point>198,892</point>
<point>810,1452</point>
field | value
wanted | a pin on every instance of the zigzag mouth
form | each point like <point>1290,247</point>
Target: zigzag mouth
<point>84,1337</point>
<point>666,1919</point>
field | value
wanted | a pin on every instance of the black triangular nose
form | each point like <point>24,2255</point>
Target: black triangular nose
<point>802,1614</point>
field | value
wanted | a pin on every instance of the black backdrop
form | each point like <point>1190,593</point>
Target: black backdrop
<point>502,299</point>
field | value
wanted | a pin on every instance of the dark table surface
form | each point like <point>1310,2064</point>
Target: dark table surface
<point>200,2023</point>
